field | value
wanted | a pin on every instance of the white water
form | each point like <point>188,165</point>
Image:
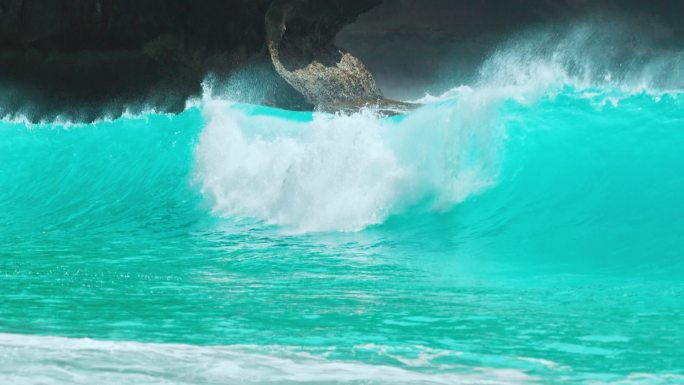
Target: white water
<point>33,360</point>
<point>338,172</point>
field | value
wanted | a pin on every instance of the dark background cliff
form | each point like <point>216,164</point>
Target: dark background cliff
<point>82,59</point>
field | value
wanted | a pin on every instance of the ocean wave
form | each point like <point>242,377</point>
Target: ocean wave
<point>317,172</point>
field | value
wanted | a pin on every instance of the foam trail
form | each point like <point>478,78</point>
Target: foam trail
<point>31,360</point>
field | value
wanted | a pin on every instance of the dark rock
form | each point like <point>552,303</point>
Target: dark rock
<point>82,59</point>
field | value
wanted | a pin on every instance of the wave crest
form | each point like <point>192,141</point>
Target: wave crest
<point>320,172</point>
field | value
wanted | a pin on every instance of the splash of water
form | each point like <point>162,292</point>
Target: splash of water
<point>323,172</point>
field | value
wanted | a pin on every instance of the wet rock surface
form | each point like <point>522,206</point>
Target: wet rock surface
<point>310,62</point>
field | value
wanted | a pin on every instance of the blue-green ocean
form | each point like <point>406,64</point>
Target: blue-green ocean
<point>491,236</point>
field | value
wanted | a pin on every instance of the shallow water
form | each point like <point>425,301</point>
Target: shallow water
<point>479,239</point>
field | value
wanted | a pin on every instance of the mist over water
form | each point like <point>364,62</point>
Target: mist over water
<point>523,228</point>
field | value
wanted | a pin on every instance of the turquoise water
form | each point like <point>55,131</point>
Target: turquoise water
<point>478,240</point>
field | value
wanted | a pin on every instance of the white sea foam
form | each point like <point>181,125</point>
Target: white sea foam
<point>32,360</point>
<point>642,379</point>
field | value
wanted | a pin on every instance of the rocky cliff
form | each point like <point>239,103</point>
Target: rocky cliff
<point>82,59</point>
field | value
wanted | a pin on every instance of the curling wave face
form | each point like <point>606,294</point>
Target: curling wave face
<point>510,231</point>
